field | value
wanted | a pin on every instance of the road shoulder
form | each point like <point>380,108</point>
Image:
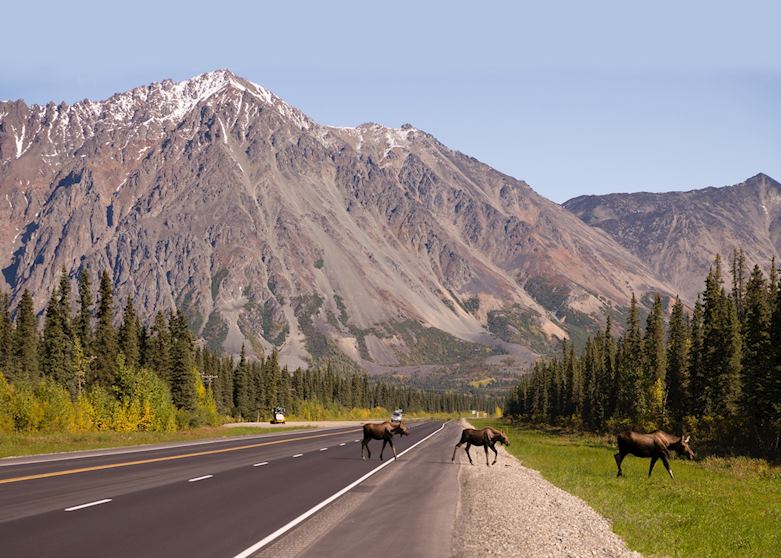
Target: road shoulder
<point>510,510</point>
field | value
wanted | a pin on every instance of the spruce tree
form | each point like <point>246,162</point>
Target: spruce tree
<point>25,366</point>
<point>697,379</point>
<point>632,392</point>
<point>738,280</point>
<point>129,334</point>
<point>53,357</point>
<point>241,391</point>
<point>83,323</point>
<point>105,350</point>
<point>677,376</point>
<point>182,369</point>
<point>6,334</point>
<point>158,354</point>
<point>655,362</point>
<point>774,389</point>
<point>757,353</point>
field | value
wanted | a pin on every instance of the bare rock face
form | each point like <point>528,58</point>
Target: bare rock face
<point>680,233</point>
<point>367,245</point>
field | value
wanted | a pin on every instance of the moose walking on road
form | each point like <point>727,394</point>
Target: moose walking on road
<point>382,431</point>
<point>656,445</point>
<point>487,437</point>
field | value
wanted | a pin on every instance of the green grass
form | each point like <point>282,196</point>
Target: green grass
<point>32,444</point>
<point>716,507</point>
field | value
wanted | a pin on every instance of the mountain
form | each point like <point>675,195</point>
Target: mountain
<point>370,245</point>
<point>679,233</point>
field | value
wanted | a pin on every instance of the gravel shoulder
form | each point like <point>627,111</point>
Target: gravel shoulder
<point>510,510</point>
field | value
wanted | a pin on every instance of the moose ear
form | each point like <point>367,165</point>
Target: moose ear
<point>686,439</point>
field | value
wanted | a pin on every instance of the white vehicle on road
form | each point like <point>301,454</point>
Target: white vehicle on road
<point>396,416</point>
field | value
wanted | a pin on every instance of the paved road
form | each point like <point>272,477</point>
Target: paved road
<point>213,499</point>
<point>407,510</point>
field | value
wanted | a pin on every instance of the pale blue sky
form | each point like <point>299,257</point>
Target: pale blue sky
<point>573,97</point>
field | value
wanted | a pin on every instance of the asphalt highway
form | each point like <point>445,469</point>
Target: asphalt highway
<point>213,499</point>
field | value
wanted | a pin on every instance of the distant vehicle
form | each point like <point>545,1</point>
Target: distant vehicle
<point>278,415</point>
<point>396,416</point>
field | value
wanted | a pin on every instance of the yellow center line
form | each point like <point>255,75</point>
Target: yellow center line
<point>168,458</point>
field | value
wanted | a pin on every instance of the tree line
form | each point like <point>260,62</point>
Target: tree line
<point>714,372</point>
<point>82,372</point>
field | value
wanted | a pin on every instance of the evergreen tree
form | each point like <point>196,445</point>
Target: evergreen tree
<point>609,388</point>
<point>84,318</point>
<point>241,391</point>
<point>631,383</point>
<point>105,349</point>
<point>158,354</point>
<point>80,368</point>
<point>697,379</point>
<point>677,376</point>
<point>655,361</point>
<point>757,353</point>
<point>6,334</point>
<point>25,366</point>
<point>738,280</point>
<point>129,334</point>
<point>774,388</point>
<point>54,360</point>
<point>182,369</point>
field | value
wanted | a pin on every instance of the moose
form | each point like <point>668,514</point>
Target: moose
<point>487,437</point>
<point>382,431</point>
<point>656,445</point>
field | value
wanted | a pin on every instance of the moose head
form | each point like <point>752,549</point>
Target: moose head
<point>500,437</point>
<point>683,447</point>
<point>401,429</point>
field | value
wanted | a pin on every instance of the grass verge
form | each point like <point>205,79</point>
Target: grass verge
<point>713,508</point>
<point>31,444</point>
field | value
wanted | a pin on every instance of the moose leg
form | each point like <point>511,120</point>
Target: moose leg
<point>653,462</point>
<point>365,444</point>
<point>455,449</point>
<point>667,466</point>
<point>496,453</point>
<point>396,457</point>
<point>468,445</point>
<point>485,447</point>
<point>384,443</point>
<point>619,458</point>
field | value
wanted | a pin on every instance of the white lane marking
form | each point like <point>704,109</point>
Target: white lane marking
<point>246,553</point>
<point>196,479</point>
<point>356,440</point>
<point>323,449</point>
<point>298,455</point>
<point>260,464</point>
<point>82,506</point>
<point>343,444</point>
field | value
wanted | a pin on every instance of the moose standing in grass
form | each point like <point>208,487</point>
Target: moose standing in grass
<point>382,431</point>
<point>656,445</point>
<point>487,437</point>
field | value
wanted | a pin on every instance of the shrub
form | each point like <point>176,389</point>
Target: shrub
<point>6,414</point>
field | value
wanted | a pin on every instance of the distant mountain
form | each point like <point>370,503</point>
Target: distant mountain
<point>679,233</point>
<point>370,245</point>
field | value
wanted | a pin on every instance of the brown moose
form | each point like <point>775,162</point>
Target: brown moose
<point>487,437</point>
<point>656,445</point>
<point>382,431</point>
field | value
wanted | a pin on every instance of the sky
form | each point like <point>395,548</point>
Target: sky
<point>573,97</point>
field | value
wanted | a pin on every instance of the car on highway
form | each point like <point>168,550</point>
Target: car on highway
<point>396,416</point>
<point>278,415</point>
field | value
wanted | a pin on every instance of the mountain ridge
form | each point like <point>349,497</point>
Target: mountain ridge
<point>679,233</point>
<point>372,245</point>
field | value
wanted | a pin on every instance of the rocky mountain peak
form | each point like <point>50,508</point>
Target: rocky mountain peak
<point>372,245</point>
